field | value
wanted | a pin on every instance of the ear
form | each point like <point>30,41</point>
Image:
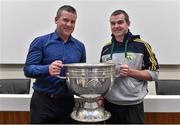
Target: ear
<point>129,23</point>
<point>56,19</point>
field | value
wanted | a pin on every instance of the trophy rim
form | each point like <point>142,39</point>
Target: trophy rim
<point>107,115</point>
<point>91,65</point>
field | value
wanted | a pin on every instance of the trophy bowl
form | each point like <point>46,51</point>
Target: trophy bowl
<point>90,81</point>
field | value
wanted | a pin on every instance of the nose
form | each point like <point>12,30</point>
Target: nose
<point>69,23</point>
<point>116,25</point>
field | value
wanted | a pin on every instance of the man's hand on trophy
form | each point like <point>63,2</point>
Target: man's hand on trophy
<point>100,101</point>
<point>55,68</point>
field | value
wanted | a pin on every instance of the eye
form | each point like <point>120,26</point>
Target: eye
<point>120,22</point>
<point>113,23</point>
<point>65,20</point>
<point>73,22</point>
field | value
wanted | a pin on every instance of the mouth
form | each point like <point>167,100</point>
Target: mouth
<point>117,31</point>
<point>68,30</point>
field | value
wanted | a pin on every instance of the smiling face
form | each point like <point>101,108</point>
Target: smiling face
<point>119,26</point>
<point>65,24</point>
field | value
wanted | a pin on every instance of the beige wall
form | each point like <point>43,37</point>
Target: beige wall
<point>166,72</point>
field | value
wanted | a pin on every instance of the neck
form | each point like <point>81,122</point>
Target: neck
<point>65,39</point>
<point>119,39</point>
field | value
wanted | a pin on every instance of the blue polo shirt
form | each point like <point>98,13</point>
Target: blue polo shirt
<point>42,52</point>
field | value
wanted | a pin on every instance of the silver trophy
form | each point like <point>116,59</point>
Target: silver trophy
<point>89,82</point>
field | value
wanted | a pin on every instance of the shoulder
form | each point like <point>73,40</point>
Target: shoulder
<point>139,40</point>
<point>106,48</point>
<point>77,42</point>
<point>40,40</point>
<point>46,36</point>
<point>107,44</point>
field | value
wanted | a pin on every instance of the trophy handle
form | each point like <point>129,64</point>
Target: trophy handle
<point>62,77</point>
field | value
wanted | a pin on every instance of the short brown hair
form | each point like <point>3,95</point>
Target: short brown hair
<point>118,12</point>
<point>66,8</point>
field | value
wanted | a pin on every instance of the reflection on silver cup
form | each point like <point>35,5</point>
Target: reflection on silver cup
<point>117,70</point>
<point>90,81</point>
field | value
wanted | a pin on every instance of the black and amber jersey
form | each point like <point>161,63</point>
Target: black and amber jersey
<point>135,50</point>
<point>137,54</point>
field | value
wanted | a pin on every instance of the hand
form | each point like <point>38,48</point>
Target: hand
<point>124,69</point>
<point>100,101</point>
<point>55,68</point>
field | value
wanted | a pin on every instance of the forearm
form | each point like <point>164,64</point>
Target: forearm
<point>36,71</point>
<point>140,74</point>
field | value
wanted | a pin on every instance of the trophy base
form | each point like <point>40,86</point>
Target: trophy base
<point>90,116</point>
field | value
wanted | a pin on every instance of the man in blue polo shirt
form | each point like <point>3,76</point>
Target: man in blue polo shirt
<point>52,102</point>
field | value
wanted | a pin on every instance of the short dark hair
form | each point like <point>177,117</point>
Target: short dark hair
<point>66,8</point>
<point>117,12</point>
